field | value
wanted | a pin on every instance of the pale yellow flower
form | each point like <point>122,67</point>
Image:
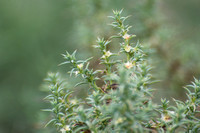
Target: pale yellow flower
<point>108,53</point>
<point>119,120</point>
<point>65,128</point>
<point>167,117</point>
<point>74,101</point>
<point>126,36</point>
<point>80,66</point>
<point>103,57</point>
<point>128,65</point>
<point>127,48</point>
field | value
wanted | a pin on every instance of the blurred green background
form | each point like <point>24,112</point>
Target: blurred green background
<point>33,34</point>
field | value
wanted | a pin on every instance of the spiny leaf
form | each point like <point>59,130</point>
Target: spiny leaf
<point>51,121</point>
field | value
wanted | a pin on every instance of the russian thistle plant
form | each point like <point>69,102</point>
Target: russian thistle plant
<point>122,100</point>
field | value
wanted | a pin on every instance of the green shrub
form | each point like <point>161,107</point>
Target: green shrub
<point>119,96</point>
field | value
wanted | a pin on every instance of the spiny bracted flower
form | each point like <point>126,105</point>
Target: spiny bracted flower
<point>74,101</point>
<point>127,48</point>
<point>128,65</point>
<point>167,117</point>
<point>119,120</point>
<point>126,36</point>
<point>76,73</point>
<point>65,129</point>
<point>108,53</point>
<point>80,66</point>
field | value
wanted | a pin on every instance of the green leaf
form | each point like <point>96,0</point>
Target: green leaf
<point>67,95</point>
<point>51,121</point>
<point>81,83</point>
<point>47,110</point>
<point>66,62</point>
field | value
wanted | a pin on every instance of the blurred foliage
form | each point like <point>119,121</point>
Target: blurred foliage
<point>177,46</point>
<point>34,33</point>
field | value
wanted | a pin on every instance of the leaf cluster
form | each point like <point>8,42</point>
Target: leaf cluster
<point>123,102</point>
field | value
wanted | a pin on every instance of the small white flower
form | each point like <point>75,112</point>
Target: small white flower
<point>103,57</point>
<point>167,117</point>
<point>127,48</point>
<point>119,120</point>
<point>65,128</point>
<point>77,72</point>
<point>126,36</point>
<point>74,101</point>
<point>62,130</point>
<point>80,66</point>
<point>128,65</point>
<point>108,53</point>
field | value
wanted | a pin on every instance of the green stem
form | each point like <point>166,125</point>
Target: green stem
<point>108,68</point>
<point>128,56</point>
<point>96,87</point>
<point>109,72</point>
